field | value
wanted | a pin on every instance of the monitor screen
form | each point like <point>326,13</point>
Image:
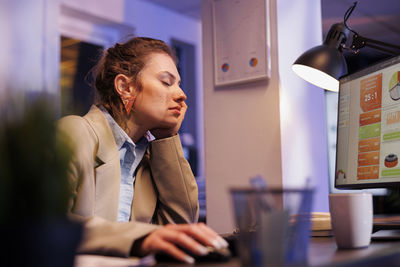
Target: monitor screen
<point>368,129</point>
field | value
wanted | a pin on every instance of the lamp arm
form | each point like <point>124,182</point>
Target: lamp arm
<point>360,42</point>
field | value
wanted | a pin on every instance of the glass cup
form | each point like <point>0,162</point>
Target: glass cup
<point>273,225</point>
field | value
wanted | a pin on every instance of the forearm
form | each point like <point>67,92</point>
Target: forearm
<point>112,238</point>
<point>175,182</point>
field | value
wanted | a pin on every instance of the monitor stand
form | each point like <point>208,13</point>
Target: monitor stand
<point>386,227</point>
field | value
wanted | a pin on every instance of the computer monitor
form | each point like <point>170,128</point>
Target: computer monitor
<point>368,128</point>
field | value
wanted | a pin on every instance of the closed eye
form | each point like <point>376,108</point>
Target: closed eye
<point>165,83</point>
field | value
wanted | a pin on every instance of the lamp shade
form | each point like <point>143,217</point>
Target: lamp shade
<point>322,66</point>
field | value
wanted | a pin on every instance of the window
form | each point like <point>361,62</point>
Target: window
<point>77,60</point>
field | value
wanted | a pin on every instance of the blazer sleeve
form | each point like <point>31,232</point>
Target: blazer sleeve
<point>100,236</point>
<point>103,237</point>
<point>174,181</point>
<point>83,142</point>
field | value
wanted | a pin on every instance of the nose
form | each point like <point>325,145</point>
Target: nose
<point>180,95</point>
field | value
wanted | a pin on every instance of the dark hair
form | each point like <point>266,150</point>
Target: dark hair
<point>127,58</point>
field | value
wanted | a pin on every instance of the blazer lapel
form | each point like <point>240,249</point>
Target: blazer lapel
<point>108,171</point>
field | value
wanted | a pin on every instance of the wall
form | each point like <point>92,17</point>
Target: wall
<point>302,105</point>
<point>242,131</point>
<point>275,129</point>
<point>147,19</point>
<point>29,43</point>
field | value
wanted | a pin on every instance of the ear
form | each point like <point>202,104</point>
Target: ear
<point>122,85</point>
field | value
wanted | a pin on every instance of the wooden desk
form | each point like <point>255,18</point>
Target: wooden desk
<point>324,253</point>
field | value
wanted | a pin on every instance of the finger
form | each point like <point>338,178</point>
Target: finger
<point>199,234</point>
<point>184,105</point>
<point>184,108</point>
<point>183,240</point>
<point>203,234</point>
<point>217,240</point>
<point>170,249</point>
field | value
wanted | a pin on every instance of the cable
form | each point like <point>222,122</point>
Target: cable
<point>347,16</point>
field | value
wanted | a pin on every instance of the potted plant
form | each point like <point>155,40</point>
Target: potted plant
<point>34,190</point>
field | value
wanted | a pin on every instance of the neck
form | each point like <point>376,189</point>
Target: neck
<point>134,131</point>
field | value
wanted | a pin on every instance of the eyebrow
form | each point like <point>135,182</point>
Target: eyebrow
<point>170,75</point>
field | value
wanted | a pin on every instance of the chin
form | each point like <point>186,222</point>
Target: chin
<point>168,123</point>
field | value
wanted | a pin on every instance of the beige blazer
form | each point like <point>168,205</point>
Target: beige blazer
<point>165,190</point>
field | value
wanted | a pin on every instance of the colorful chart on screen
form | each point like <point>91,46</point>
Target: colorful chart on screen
<point>368,142</point>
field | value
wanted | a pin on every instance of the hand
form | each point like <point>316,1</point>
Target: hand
<point>192,237</point>
<point>168,132</point>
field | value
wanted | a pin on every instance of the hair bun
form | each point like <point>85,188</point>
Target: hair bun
<point>114,50</point>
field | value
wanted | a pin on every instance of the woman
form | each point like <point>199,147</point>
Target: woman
<point>129,175</point>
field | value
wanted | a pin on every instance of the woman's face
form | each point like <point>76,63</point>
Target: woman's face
<point>159,102</point>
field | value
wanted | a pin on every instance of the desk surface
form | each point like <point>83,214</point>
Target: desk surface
<point>323,252</point>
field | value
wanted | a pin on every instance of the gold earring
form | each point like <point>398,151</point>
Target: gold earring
<point>127,100</point>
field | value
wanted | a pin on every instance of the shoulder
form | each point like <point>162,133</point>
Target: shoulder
<point>78,132</point>
<point>75,126</point>
<point>70,120</point>
<point>81,127</point>
<point>90,133</point>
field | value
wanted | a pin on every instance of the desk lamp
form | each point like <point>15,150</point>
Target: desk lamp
<point>323,65</point>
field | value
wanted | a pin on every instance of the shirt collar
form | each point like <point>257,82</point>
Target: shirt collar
<point>120,135</point>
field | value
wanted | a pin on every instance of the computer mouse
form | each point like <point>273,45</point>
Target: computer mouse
<point>214,255</point>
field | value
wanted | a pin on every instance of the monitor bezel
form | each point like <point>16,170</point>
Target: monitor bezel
<point>365,71</point>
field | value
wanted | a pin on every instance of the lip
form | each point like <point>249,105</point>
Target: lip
<point>176,109</point>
